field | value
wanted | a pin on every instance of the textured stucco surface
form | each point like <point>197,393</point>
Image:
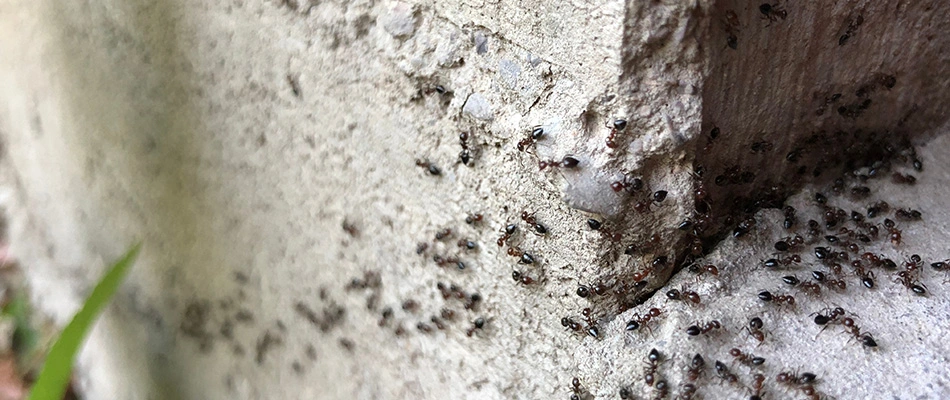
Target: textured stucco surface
<point>265,153</point>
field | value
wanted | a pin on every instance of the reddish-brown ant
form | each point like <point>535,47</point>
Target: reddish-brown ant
<point>630,185</point>
<point>909,277</point>
<point>789,243</point>
<point>725,375</point>
<point>522,278</point>
<point>786,261</point>
<point>697,367</point>
<point>831,282</point>
<point>747,359</point>
<point>531,220</point>
<point>473,219</point>
<point>506,234</point>
<point>755,329</point>
<point>430,167</point>
<point>637,321</point>
<point>690,296</point>
<point>536,134</point>
<point>758,381</point>
<point>801,382</point>
<point>649,372</point>
<point>523,257</point>
<point>702,269</point>
<point>618,126</point>
<point>465,156</point>
<point>477,324</point>
<point>768,297</point>
<point>903,179</point>
<point>566,162</point>
<point>703,328</point>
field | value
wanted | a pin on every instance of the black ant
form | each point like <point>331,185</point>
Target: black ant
<point>531,220</point>
<point>853,24</point>
<point>566,162</point>
<point>536,134</point>
<point>579,391</point>
<point>748,359</point>
<point>430,167</point>
<point>618,126</point>
<point>696,329</point>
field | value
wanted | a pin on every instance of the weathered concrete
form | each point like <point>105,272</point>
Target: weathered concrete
<point>266,155</point>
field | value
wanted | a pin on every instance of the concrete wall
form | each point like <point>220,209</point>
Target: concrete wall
<point>266,154</point>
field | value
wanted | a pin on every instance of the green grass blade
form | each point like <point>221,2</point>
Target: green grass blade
<point>57,370</point>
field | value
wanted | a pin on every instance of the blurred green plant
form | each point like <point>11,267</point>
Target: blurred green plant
<point>56,372</point>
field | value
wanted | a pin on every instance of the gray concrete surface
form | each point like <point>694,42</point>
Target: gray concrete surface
<point>265,153</point>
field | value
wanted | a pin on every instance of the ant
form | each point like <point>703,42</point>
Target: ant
<point>775,262</point>
<point>789,213</point>
<point>802,382</point>
<point>630,185</point>
<point>789,243</point>
<point>473,219</point>
<point>566,162</point>
<point>768,297</point>
<point>530,220</point>
<point>467,244</point>
<point>430,167</point>
<point>894,234</point>
<point>639,320</point>
<point>522,278</point>
<point>579,391</point>
<point>755,329</point>
<point>536,134</point>
<point>653,361</point>
<point>570,324</point>
<point>702,269</point>
<point>853,24</point>
<point>465,156</point>
<point>506,236</point>
<point>832,283</point>
<point>696,329</point>
<point>524,257</point>
<point>757,383</point>
<point>618,126</point>
<point>444,261</point>
<point>697,367</point>
<point>477,324</point>
<point>724,375</point>
<point>683,294</point>
<point>907,214</point>
<point>903,179</point>
<point>867,277</point>
<point>748,359</point>
<point>909,277</point>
